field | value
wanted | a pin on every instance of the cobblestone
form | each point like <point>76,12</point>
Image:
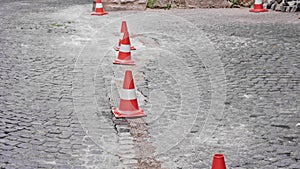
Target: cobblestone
<point>267,109</point>
<point>211,81</point>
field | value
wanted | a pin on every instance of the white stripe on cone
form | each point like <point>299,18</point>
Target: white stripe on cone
<point>258,2</point>
<point>99,5</point>
<point>124,48</point>
<point>127,94</point>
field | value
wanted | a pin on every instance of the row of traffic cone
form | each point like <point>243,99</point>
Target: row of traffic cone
<point>128,100</point>
<point>128,107</point>
<point>124,57</point>
<point>99,10</point>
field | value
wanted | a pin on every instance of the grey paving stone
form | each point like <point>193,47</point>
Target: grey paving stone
<point>294,166</point>
<point>37,89</point>
<point>284,163</point>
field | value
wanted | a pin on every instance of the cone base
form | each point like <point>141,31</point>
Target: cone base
<point>133,114</point>
<point>123,62</point>
<point>258,10</point>
<point>99,13</point>
<point>117,48</point>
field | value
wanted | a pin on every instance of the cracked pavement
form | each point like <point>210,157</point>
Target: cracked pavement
<point>210,80</point>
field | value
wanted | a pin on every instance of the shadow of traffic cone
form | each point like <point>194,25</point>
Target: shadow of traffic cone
<point>124,55</point>
<point>123,30</point>
<point>128,101</point>
<point>94,5</point>
<point>258,7</point>
<point>99,9</point>
<point>218,162</point>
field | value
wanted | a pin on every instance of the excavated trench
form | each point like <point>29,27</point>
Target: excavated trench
<point>135,149</point>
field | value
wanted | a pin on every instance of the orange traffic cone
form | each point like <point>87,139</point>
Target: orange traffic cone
<point>99,9</point>
<point>123,30</point>
<point>218,162</point>
<point>128,101</point>
<point>124,56</point>
<point>258,7</point>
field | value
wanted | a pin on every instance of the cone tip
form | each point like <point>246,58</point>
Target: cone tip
<point>219,156</point>
<point>128,80</point>
<point>124,27</point>
<point>128,71</point>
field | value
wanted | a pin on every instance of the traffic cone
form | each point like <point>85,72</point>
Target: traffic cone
<point>128,101</point>
<point>99,9</point>
<point>258,7</point>
<point>218,162</point>
<point>124,56</point>
<point>123,30</point>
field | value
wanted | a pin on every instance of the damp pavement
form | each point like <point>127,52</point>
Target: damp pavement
<point>210,80</point>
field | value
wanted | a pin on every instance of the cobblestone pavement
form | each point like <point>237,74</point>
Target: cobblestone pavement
<point>211,81</point>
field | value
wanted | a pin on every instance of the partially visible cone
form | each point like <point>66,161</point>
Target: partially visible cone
<point>258,7</point>
<point>218,162</point>
<point>128,100</point>
<point>124,55</point>
<point>123,30</point>
<point>99,9</point>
